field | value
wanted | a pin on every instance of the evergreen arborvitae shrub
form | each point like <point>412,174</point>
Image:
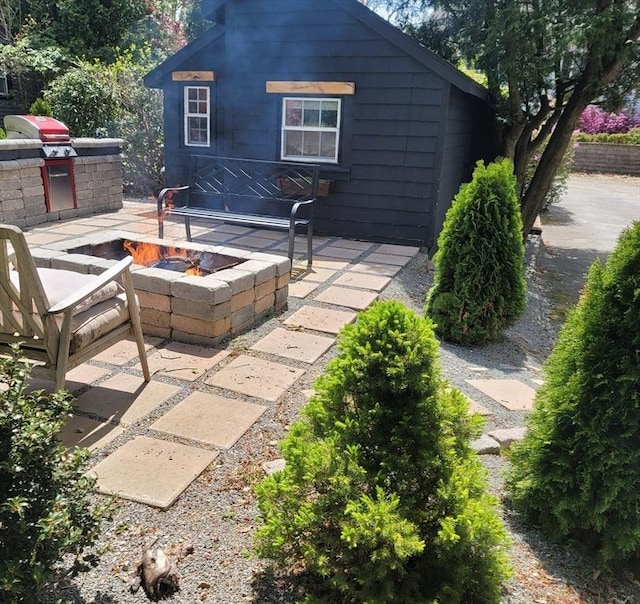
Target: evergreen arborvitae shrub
<point>45,512</point>
<point>577,471</point>
<point>479,287</point>
<point>381,498</point>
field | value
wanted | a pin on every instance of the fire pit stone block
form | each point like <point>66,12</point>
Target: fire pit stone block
<point>201,289</point>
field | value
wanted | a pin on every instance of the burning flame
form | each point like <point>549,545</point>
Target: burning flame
<point>150,254</point>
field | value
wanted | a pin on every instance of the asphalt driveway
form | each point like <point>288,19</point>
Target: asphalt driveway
<point>584,226</point>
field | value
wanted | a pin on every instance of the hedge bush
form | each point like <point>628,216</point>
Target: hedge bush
<point>626,138</point>
<point>45,512</point>
<point>577,471</point>
<point>479,287</point>
<point>381,498</point>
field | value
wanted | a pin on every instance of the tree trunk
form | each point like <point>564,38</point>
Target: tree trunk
<point>533,199</point>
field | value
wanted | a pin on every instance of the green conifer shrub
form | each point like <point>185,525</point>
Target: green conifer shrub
<point>45,512</point>
<point>479,287</point>
<point>577,471</point>
<point>381,498</point>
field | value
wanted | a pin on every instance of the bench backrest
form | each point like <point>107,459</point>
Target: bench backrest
<point>249,185</point>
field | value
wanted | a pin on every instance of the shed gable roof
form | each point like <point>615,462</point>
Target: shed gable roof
<point>214,11</point>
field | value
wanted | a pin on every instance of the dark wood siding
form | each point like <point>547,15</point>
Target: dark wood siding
<point>456,157</point>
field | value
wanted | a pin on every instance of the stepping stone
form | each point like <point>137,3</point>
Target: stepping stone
<point>125,398</point>
<point>485,445</point>
<point>185,361</point>
<point>317,275</point>
<point>372,268</point>
<point>125,351</point>
<point>475,407</point>
<point>271,467</point>
<point>353,245</point>
<point>512,394</point>
<point>379,258</point>
<point>507,436</point>
<point>295,345</point>
<point>209,419</point>
<point>301,289</point>
<point>151,471</point>
<point>76,380</point>
<point>398,250</point>
<point>363,281</point>
<point>334,251</point>
<point>344,296</point>
<point>321,319</point>
<point>81,431</point>
<point>256,377</point>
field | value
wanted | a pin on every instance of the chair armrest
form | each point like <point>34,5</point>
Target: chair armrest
<point>296,207</point>
<point>85,292</point>
<point>163,194</point>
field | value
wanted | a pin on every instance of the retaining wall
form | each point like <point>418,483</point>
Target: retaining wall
<point>607,158</point>
<point>97,173</point>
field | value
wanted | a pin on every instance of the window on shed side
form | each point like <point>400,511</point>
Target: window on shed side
<point>197,116</point>
<point>4,85</point>
<point>310,129</point>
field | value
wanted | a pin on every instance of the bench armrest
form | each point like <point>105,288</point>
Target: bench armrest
<point>163,193</point>
<point>88,290</point>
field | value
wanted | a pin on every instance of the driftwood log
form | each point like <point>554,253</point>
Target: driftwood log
<point>156,572</point>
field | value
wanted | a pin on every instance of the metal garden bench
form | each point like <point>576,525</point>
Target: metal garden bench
<point>247,192</point>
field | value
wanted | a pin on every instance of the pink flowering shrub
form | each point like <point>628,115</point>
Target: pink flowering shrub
<point>595,121</point>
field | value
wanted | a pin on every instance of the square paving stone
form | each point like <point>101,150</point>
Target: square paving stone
<point>124,351</point>
<point>334,251</point>
<point>512,394</point>
<point>301,289</point>
<point>363,281</point>
<point>125,398</point>
<point>81,431</point>
<point>151,471</point>
<point>185,361</point>
<point>393,259</point>
<point>294,345</point>
<point>345,296</point>
<point>76,379</point>
<point>209,419</point>
<point>331,263</point>
<point>315,274</point>
<point>372,268</point>
<point>256,377</point>
<point>398,250</point>
<point>321,319</point>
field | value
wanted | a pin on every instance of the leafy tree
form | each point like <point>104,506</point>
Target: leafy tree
<point>545,61</point>
<point>83,98</point>
<point>577,471</point>
<point>381,498</point>
<point>45,512</point>
<point>479,287</point>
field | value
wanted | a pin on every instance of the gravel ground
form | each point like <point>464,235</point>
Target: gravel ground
<point>216,515</point>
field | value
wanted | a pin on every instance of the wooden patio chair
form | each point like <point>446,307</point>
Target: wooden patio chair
<point>62,318</point>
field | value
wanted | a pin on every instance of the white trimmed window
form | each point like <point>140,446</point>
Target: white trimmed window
<point>4,85</point>
<point>197,116</point>
<point>310,129</point>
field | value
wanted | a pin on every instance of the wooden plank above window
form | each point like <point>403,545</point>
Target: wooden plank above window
<point>193,76</point>
<point>281,87</point>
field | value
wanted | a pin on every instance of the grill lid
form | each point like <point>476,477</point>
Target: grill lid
<point>39,127</point>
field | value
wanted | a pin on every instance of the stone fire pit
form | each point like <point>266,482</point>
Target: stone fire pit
<point>199,309</point>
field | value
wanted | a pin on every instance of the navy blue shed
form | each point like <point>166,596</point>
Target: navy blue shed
<point>395,128</point>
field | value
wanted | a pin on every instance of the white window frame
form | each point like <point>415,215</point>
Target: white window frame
<point>288,128</point>
<point>188,115</point>
<point>4,85</point>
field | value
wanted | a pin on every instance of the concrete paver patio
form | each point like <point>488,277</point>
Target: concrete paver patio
<point>158,437</point>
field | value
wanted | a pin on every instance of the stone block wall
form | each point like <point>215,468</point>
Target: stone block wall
<point>97,175</point>
<point>607,158</point>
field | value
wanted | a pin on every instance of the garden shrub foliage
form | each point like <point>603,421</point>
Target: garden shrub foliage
<point>479,287</point>
<point>44,509</point>
<point>577,471</point>
<point>381,498</point>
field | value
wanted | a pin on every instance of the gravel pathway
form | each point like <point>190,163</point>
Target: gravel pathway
<point>215,517</point>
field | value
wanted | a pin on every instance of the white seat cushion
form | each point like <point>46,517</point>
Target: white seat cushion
<point>60,283</point>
